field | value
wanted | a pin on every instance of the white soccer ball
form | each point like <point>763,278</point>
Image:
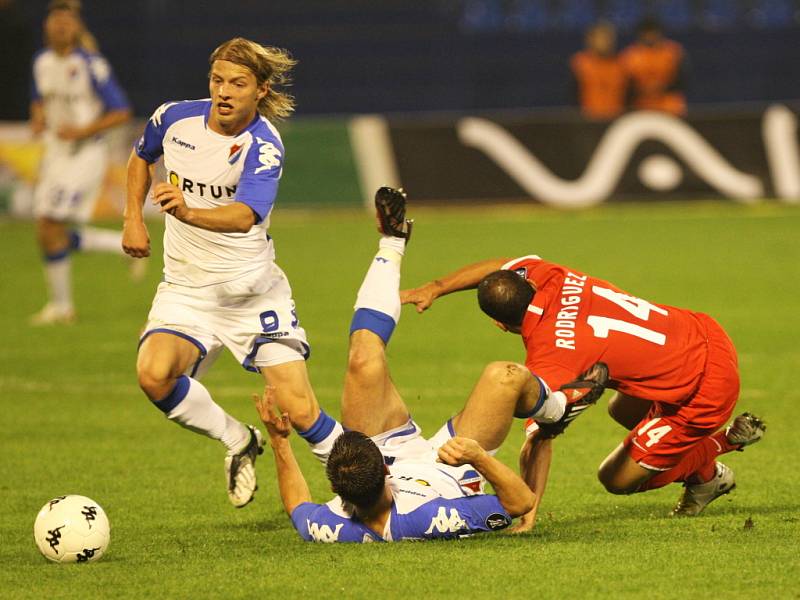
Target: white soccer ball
<point>72,529</point>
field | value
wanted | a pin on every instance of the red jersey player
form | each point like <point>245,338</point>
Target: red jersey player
<point>675,372</point>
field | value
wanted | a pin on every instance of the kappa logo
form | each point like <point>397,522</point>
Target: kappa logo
<point>658,172</point>
<point>54,538</point>
<point>54,501</point>
<point>101,70</point>
<point>183,144</point>
<point>268,155</point>
<point>159,113</point>
<point>444,523</point>
<point>86,555</point>
<point>323,533</point>
<point>89,513</point>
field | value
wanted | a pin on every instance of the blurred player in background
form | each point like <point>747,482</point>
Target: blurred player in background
<point>599,79</point>
<point>389,484</point>
<point>675,372</point>
<point>223,157</point>
<point>75,100</point>
<point>657,68</point>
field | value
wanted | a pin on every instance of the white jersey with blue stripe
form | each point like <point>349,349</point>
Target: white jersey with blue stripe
<point>214,170</point>
<point>75,90</point>
<point>428,504</point>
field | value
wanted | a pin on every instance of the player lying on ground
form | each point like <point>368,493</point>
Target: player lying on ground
<point>390,486</point>
<point>675,372</point>
<point>221,285</point>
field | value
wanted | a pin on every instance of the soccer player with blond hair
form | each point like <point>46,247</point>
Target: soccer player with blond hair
<point>223,157</point>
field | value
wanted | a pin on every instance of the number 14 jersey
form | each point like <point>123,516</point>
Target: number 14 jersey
<point>653,351</point>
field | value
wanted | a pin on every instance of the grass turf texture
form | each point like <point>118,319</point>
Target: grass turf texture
<point>74,420</point>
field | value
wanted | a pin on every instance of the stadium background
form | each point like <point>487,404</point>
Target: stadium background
<point>76,422</point>
<point>424,65</point>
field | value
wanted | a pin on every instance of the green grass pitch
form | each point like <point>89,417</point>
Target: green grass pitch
<point>74,421</point>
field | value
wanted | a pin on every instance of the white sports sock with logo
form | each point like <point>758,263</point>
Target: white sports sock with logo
<point>380,289</point>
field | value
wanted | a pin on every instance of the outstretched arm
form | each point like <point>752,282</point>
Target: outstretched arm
<point>465,278</point>
<point>534,466</point>
<point>291,483</point>
<point>511,491</point>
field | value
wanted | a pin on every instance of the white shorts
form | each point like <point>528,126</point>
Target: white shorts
<point>253,316</point>
<point>404,449</point>
<point>70,183</point>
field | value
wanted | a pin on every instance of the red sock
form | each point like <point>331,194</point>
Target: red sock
<point>697,465</point>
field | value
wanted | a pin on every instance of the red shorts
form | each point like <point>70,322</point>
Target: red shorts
<point>669,431</point>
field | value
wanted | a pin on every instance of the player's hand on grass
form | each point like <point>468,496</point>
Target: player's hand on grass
<point>277,424</point>
<point>422,297</point>
<point>459,451</point>
<point>169,199</point>
<point>135,239</point>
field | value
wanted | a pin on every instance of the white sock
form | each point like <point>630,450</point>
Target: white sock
<point>94,239</point>
<point>191,406</point>
<point>552,408</point>
<point>380,290</point>
<point>59,281</point>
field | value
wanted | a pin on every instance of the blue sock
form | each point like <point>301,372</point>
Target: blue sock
<point>321,435</point>
<point>178,393</point>
<point>377,322</point>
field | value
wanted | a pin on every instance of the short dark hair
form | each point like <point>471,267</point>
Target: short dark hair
<point>356,469</point>
<point>505,296</point>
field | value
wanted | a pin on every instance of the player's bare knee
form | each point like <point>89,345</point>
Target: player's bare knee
<point>617,490</point>
<point>155,380</point>
<point>612,482</point>
<point>507,374</point>
<point>50,235</point>
<point>611,486</point>
<point>364,361</point>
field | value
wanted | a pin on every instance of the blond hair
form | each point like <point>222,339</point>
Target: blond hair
<point>270,65</point>
<point>84,39</point>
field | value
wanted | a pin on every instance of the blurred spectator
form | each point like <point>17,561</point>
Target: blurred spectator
<point>598,75</point>
<point>16,47</point>
<point>657,68</point>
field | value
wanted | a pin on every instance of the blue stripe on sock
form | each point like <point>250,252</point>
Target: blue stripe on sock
<point>375,321</point>
<point>539,402</point>
<point>56,256</point>
<point>321,428</point>
<point>450,427</point>
<point>175,397</point>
